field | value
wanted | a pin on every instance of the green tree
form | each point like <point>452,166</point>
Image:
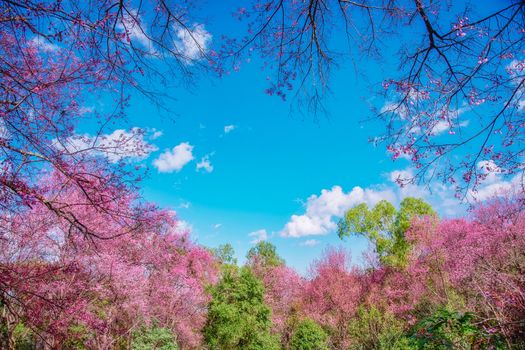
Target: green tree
<point>264,253</point>
<point>449,329</point>
<point>385,227</point>
<point>309,336</point>
<point>225,254</point>
<point>237,315</point>
<point>149,338</point>
<point>374,329</point>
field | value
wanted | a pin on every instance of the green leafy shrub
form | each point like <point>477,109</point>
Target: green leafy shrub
<point>449,329</point>
<point>309,336</point>
<point>154,338</point>
<point>374,329</point>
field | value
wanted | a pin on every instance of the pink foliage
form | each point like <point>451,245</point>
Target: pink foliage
<point>283,291</point>
<point>152,273</point>
<point>332,295</point>
<point>478,262</point>
<point>481,258</point>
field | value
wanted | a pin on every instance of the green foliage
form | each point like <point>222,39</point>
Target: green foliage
<point>225,254</point>
<point>265,254</point>
<point>374,329</point>
<point>154,338</point>
<point>385,227</point>
<point>309,336</point>
<point>24,337</point>
<point>77,336</point>
<point>446,329</point>
<point>237,315</point>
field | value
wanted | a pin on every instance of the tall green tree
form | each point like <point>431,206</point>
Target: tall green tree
<point>264,253</point>
<point>225,254</point>
<point>385,227</point>
<point>237,315</point>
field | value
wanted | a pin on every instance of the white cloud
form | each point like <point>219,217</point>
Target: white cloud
<point>118,145</point>
<point>174,159</point>
<point>183,227</point>
<point>217,226</point>
<point>516,69</point>
<point>192,43</point>
<point>331,204</point>
<point>258,236</point>
<point>494,183</point>
<point>229,128</point>
<point>397,108</point>
<point>490,190</point>
<point>133,26</point>
<point>185,205</point>
<point>443,125</point>
<point>310,243</point>
<point>435,127</point>
<point>43,45</point>
<point>442,196</point>
<point>86,110</point>
<point>205,164</point>
<point>156,134</point>
<point>4,133</point>
<point>324,210</point>
<point>491,170</point>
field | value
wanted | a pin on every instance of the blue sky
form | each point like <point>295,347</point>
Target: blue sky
<point>265,167</point>
<point>237,166</point>
<point>268,164</point>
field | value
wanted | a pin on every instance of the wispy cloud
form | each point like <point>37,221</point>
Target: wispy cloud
<point>229,128</point>
<point>133,25</point>
<point>258,236</point>
<point>309,243</point>
<point>118,145</point>
<point>205,164</point>
<point>43,44</point>
<point>185,205</point>
<point>192,43</point>
<point>156,134</point>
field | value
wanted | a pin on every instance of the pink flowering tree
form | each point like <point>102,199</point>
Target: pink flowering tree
<point>63,286</point>
<point>332,295</point>
<point>481,259</point>
<point>53,55</point>
<point>283,287</point>
<point>66,190</point>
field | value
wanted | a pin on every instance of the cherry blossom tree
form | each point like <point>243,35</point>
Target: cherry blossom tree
<point>55,54</point>
<point>332,295</point>
<point>482,260</point>
<point>53,280</point>
<point>66,192</point>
